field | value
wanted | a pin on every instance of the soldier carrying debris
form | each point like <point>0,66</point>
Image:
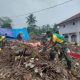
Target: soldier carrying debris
<point>56,41</point>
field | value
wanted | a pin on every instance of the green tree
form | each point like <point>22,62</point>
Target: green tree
<point>31,21</point>
<point>43,28</point>
<point>5,22</point>
<point>47,27</point>
<point>55,29</point>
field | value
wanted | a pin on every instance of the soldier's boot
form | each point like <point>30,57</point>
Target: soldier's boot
<point>68,61</point>
<point>69,64</point>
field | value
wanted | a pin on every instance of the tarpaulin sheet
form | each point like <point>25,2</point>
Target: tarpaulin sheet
<point>4,31</point>
<point>74,55</point>
<point>24,32</point>
<point>12,33</point>
<point>9,33</point>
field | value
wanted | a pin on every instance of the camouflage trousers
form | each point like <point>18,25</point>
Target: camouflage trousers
<point>63,54</point>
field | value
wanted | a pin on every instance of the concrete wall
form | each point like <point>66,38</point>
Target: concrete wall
<point>69,27</point>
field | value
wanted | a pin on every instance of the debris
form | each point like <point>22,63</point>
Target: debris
<point>41,74</point>
<point>36,70</point>
<point>29,65</point>
<point>0,49</point>
<point>58,70</point>
<point>21,62</point>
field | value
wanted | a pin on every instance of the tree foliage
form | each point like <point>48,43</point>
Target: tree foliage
<point>45,28</point>
<point>55,29</point>
<point>5,22</point>
<point>31,21</point>
<point>32,27</point>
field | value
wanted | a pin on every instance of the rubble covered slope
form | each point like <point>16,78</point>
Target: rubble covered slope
<point>21,62</point>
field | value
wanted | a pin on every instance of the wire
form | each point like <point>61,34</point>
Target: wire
<point>44,9</point>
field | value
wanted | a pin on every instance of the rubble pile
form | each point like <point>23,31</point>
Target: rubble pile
<point>21,62</point>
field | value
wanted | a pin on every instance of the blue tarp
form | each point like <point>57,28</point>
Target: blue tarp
<point>4,31</point>
<point>23,31</point>
<point>12,33</point>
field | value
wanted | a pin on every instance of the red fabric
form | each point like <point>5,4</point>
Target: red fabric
<point>74,55</point>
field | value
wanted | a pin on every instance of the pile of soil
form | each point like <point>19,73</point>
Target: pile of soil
<point>21,62</point>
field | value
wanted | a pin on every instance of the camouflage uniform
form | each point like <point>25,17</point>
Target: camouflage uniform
<point>58,44</point>
<point>63,53</point>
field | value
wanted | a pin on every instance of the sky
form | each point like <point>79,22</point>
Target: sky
<point>14,8</point>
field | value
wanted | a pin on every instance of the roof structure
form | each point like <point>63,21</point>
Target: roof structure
<point>75,17</point>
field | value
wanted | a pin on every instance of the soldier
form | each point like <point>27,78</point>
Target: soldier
<point>57,41</point>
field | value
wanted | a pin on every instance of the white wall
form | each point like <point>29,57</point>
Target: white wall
<point>70,28</point>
